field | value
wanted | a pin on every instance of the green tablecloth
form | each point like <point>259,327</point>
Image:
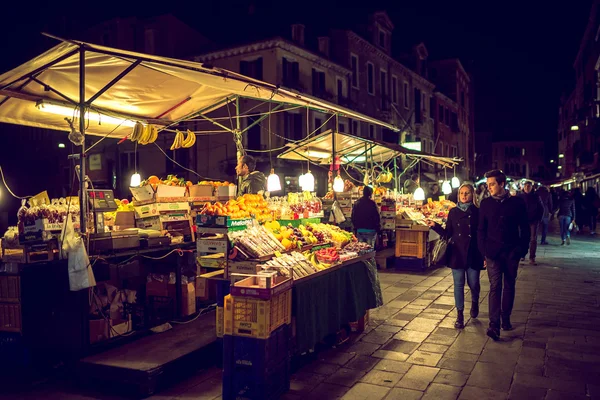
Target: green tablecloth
<point>323,304</point>
<point>297,222</point>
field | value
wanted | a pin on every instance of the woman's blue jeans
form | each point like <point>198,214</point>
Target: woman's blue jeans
<point>472,278</point>
<point>564,222</point>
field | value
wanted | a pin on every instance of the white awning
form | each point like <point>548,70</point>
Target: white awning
<point>122,87</point>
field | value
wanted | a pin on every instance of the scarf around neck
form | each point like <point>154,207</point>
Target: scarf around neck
<point>505,196</point>
<point>464,206</point>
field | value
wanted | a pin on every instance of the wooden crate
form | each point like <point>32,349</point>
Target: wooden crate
<point>411,243</point>
<point>10,317</point>
<point>10,288</point>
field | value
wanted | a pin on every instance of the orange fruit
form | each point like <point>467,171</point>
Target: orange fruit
<point>153,180</point>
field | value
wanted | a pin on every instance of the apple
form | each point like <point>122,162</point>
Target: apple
<point>124,202</point>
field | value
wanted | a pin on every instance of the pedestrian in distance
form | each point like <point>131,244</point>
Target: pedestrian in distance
<point>462,253</point>
<point>434,193</point>
<point>535,212</point>
<point>365,218</point>
<point>548,204</point>
<point>566,214</point>
<point>503,236</point>
<point>581,217</point>
<point>592,205</point>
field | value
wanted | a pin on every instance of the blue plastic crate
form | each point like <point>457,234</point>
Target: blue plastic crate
<point>223,289</point>
<point>247,383</point>
<point>259,354</point>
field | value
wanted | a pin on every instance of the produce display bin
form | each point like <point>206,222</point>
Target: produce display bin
<point>245,316</point>
<point>411,243</point>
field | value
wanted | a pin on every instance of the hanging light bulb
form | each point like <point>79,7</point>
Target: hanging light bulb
<point>446,188</point>
<point>309,182</point>
<point>419,194</point>
<point>455,182</point>
<point>301,181</point>
<point>338,184</point>
<point>273,182</point>
<point>136,180</point>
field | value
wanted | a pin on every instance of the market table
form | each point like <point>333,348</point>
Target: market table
<point>329,300</point>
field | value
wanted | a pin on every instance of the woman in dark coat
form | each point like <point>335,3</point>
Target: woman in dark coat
<point>463,254</point>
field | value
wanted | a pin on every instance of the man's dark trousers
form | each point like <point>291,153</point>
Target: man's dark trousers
<point>501,301</point>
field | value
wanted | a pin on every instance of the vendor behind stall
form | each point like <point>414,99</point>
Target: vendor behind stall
<point>252,181</point>
<point>434,195</point>
<point>365,218</point>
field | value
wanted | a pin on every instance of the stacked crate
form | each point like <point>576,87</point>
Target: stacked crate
<point>256,342</point>
<point>10,303</point>
<point>388,214</point>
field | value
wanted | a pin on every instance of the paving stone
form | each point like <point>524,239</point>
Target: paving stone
<point>396,322</point>
<point>365,391</point>
<point>556,395</point>
<point>451,332</point>
<point>522,392</point>
<point>460,355</point>
<point>362,348</point>
<point>491,376</point>
<point>377,337</point>
<point>440,339</point>
<point>469,343</point>
<point>398,303</point>
<point>437,391</point>
<point>513,345</point>
<point>450,377</point>
<point>304,382</point>
<point>434,348</point>
<point>391,355</point>
<point>346,377</point>
<point>411,336</point>
<point>401,346</point>
<point>388,328</point>
<point>398,367</point>
<point>455,364</point>
<point>328,391</point>
<point>499,357</point>
<point>362,363</point>
<point>382,378</point>
<point>422,325</point>
<point>335,356</point>
<point>529,369</point>
<point>404,394</point>
<point>477,393</point>
<point>418,377</point>
<point>432,316</point>
<point>424,358</point>
<point>532,380</point>
<point>319,367</point>
<point>405,315</point>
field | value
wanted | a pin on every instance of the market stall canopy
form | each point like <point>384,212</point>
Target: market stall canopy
<point>354,149</point>
<point>122,87</point>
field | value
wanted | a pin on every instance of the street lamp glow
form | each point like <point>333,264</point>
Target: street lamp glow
<point>561,156</point>
<point>61,145</point>
<point>575,127</point>
<point>551,161</point>
<point>560,167</point>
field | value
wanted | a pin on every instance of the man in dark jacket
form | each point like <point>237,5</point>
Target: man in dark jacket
<point>503,238</point>
<point>365,218</point>
<point>548,203</point>
<point>535,212</point>
<point>252,181</point>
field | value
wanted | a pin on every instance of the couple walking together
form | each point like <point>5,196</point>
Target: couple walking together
<point>497,235</point>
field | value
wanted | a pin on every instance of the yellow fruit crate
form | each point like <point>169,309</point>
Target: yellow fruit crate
<point>220,316</point>
<point>250,317</point>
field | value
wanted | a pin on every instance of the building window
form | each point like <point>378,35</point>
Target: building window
<point>342,127</point>
<point>318,82</point>
<point>150,41</point>
<point>454,122</point>
<point>441,113</point>
<point>431,107</point>
<point>370,78</point>
<point>424,103</point>
<point>355,128</point>
<point>354,64</point>
<point>341,92</point>
<point>447,116</point>
<point>462,98</point>
<point>371,131</point>
<point>253,134</point>
<point>447,150</point>
<point>382,38</point>
<point>454,151</point>
<point>406,99</point>
<point>394,89</point>
<point>318,127</point>
<point>252,69</point>
<point>291,73</point>
<point>383,89</point>
<point>293,126</point>
<point>418,107</point>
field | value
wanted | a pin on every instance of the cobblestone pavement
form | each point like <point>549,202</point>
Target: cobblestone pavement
<point>411,349</point>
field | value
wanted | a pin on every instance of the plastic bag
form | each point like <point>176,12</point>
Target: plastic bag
<point>438,255</point>
<point>81,275</point>
<point>573,227</point>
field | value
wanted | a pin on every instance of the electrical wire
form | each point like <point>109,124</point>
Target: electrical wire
<point>8,189</point>
<point>199,313</point>
<point>244,115</point>
<point>176,163</point>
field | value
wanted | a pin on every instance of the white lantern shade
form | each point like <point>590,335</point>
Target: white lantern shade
<point>273,182</point>
<point>446,188</point>
<point>419,194</point>
<point>136,180</point>
<point>309,182</point>
<point>338,184</point>
<point>301,181</point>
<point>455,182</point>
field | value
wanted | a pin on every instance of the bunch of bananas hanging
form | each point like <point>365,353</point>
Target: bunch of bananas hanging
<point>144,134</point>
<point>385,176</point>
<point>183,142</point>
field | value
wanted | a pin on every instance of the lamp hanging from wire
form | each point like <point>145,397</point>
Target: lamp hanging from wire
<point>136,179</point>
<point>419,194</point>
<point>338,183</point>
<point>455,181</point>
<point>446,188</point>
<point>273,181</point>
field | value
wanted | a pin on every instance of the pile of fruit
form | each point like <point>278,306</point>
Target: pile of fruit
<point>144,134</point>
<point>333,233</point>
<point>182,141</point>
<point>358,247</point>
<point>328,256</point>
<point>248,205</point>
<point>216,183</point>
<point>290,237</point>
<point>122,205</point>
<point>55,212</point>
<point>292,265</point>
<point>256,242</point>
<point>171,180</point>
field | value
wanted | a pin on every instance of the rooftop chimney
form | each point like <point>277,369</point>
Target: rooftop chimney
<point>324,45</point>
<point>298,34</point>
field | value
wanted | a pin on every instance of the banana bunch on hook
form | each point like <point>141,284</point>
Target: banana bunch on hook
<point>183,141</point>
<point>144,134</point>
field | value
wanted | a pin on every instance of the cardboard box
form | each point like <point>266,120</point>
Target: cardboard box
<point>101,329</point>
<point>157,223</point>
<point>42,225</point>
<point>98,330</point>
<point>146,193</point>
<point>155,209</point>
<point>156,288</point>
<point>226,191</point>
<point>201,191</point>
<point>241,267</point>
<point>388,214</point>
<point>206,287</point>
<point>212,261</point>
<point>388,224</point>
<point>125,219</point>
<point>212,246</point>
